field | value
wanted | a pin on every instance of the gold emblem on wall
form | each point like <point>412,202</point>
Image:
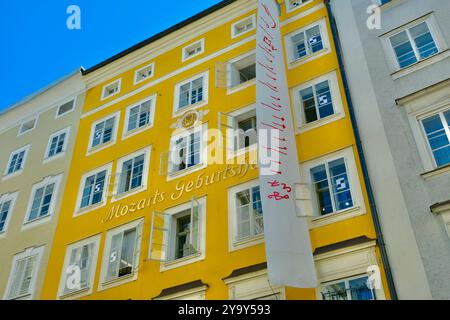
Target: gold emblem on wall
<point>189,119</point>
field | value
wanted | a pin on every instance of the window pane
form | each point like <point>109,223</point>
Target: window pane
<point>133,117</point>
<point>197,91</point>
<point>194,149</point>
<point>336,291</point>
<point>324,99</point>
<point>182,245</point>
<point>184,95</point>
<point>127,253</point>
<point>320,182</point>
<point>87,191</point>
<point>299,45</point>
<point>98,187</point>
<point>341,186</point>
<point>243,214</point>
<point>424,41</point>
<point>114,256</point>
<point>137,172</point>
<point>309,104</point>
<point>4,210</point>
<point>359,289</point>
<point>403,49</point>
<point>258,223</point>
<point>437,139</point>
<point>36,204</point>
<point>314,39</point>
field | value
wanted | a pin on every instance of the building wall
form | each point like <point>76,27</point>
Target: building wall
<point>417,243</point>
<point>218,261</point>
<point>18,235</point>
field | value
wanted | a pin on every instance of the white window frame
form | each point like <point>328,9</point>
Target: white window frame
<point>358,207</point>
<point>80,211</point>
<point>438,38</point>
<point>107,284</point>
<point>301,125</point>
<point>28,253</point>
<point>233,244</point>
<point>176,110</point>
<point>126,133</point>
<point>203,129</point>
<point>346,263</point>
<point>235,34</point>
<point>292,62</point>
<point>238,87</point>
<point>290,7</point>
<point>200,42</point>
<point>5,198</point>
<point>91,149</point>
<point>18,172</point>
<point>48,158</point>
<point>104,93</point>
<point>253,286</point>
<point>35,119</point>
<point>168,237</point>
<point>136,73</point>
<point>145,172</point>
<point>232,121</point>
<point>55,198</point>
<point>73,100</point>
<point>85,291</point>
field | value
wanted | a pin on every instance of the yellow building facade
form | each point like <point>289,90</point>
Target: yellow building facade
<point>147,214</point>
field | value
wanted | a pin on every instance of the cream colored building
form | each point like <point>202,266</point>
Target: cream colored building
<point>36,141</point>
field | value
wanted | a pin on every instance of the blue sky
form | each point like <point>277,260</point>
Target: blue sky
<point>37,48</point>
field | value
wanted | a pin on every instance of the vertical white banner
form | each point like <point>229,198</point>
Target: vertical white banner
<point>288,247</point>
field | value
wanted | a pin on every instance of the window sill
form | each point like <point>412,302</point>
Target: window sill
<point>182,111</point>
<point>12,175</point>
<point>241,86</point>
<point>391,4</point>
<point>82,211</point>
<point>165,266</point>
<point>127,194</point>
<point>421,64</point>
<point>318,123</point>
<point>99,147</point>
<point>248,242</point>
<point>136,131</point>
<point>184,172</point>
<point>54,157</point>
<point>300,61</point>
<point>107,284</point>
<point>436,172</point>
<point>37,222</point>
<point>23,297</point>
<point>76,294</point>
<point>321,221</point>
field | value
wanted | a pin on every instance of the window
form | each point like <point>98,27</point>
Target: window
<point>111,89</point>
<point>249,213</point>
<point>193,50</point>
<point>143,73</point>
<point>243,26</point>
<point>191,92</point>
<point>7,202</point>
<point>307,42</point>
<point>246,223</point>
<point>335,187</point>
<point>57,143</point>
<point>133,172</point>
<point>65,108</point>
<point>413,44</point>
<point>437,131</point>
<point>140,115</point>
<point>94,187</point>
<point>348,289</point>
<point>242,70</point>
<point>23,274</point>
<point>178,234</point>
<point>42,201</point>
<point>294,4</point>
<point>317,102</point>
<point>185,151</point>
<point>247,134</point>
<point>17,160</point>
<point>81,258</point>
<point>104,132</point>
<point>122,251</point>
<point>27,126</point>
<point>332,187</point>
